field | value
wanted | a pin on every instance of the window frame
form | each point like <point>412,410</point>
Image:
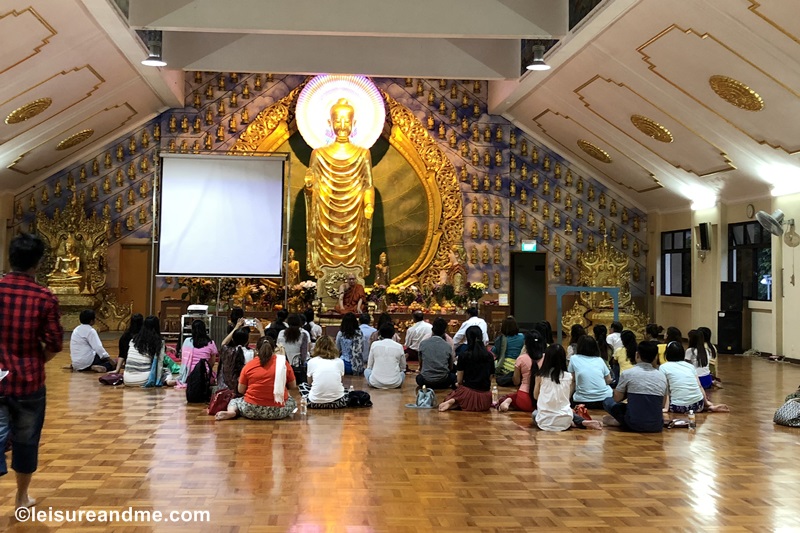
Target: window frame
<point>756,242</point>
<point>685,253</point>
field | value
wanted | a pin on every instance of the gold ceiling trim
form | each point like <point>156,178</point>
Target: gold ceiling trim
<point>124,105</point>
<point>653,68</point>
<point>754,9</point>
<point>728,165</point>
<point>44,41</point>
<point>651,128</point>
<point>28,111</point>
<point>594,151</point>
<point>736,93</point>
<point>75,140</point>
<point>658,184</point>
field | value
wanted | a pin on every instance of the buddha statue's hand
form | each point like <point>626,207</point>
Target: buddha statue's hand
<point>368,210</point>
<point>309,180</point>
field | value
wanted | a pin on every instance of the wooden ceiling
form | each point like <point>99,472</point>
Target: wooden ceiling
<point>668,102</point>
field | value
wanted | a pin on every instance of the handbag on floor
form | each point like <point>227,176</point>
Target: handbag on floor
<point>358,398</point>
<point>426,398</point>
<point>788,414</point>
<point>220,400</point>
<point>111,378</point>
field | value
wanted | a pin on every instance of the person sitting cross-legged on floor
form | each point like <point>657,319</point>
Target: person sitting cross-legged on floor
<point>436,359</point>
<point>85,349</point>
<point>387,361</point>
<point>325,371</point>
<point>645,388</point>
<point>473,376</point>
<point>525,370</point>
<point>683,386</point>
<point>591,374</point>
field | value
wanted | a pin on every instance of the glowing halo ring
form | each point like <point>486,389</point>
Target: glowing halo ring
<point>318,96</point>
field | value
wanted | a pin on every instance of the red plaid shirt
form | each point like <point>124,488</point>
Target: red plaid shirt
<point>30,322</point>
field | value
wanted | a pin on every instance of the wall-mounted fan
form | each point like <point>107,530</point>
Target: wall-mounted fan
<point>774,224</point>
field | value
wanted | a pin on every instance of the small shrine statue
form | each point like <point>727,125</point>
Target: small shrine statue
<point>485,209</point>
<point>624,215</point>
<point>535,155</point>
<point>497,234</point>
<point>523,172</point>
<point>512,212</point>
<point>496,254</point>
<point>442,130</point>
<point>465,128</point>
<point>485,231</point>
<point>185,124</point>
<point>613,209</point>
<point>118,204</point>
<point>590,218</point>
<point>535,179</point>
<point>82,175</point>
<point>523,149</point>
<point>142,215</point>
<point>485,278</point>
<point>512,163</point>
<point>487,184</point>
<point>476,158</point>
<point>602,201</point>
<point>442,107</point>
<point>579,234</point>
<point>474,230</point>
<point>452,140</point>
<point>568,179</point>
<point>431,97</point>
<point>173,124</point>
<point>498,183</point>
<point>92,193</point>
<point>57,189</point>
<point>498,134</point>
<point>523,220</point>
<point>636,224</point>
<point>463,149</point>
<point>557,170</point>
<point>556,243</point>
<point>475,205</point>
<point>129,223</point>
<point>546,163</point>
<point>498,207</point>
<point>546,211</point>
<point>487,158</point>
<point>590,194</point>
<point>556,219</point>
<point>557,195</point>
<point>568,202</point>
<point>535,227</point>
<point>546,188</point>
<point>485,255</point>
<point>95,168</point>
<point>624,241</point>
<point>613,233</point>
<point>579,185</point>
<point>131,197</point>
<point>568,276</point>
<point>602,227</point>
<point>545,235</point>
<point>487,134</point>
<point>523,195</point>
<point>512,139</point>
<point>430,122</point>
<point>568,226</point>
<point>591,245</point>
<point>453,116</point>
<point>119,178</point>
<point>497,280</point>
<point>637,273</point>
<point>635,248</point>
<point>498,158</point>
<point>512,237</point>
<point>568,251</point>
<point>535,204</point>
<point>475,185</point>
<point>66,270</point>
<point>107,160</point>
<point>579,210</point>
<point>462,173</point>
<point>473,255</point>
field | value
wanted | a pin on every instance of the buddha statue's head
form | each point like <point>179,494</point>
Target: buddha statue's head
<point>69,245</point>
<point>342,120</point>
<point>382,258</point>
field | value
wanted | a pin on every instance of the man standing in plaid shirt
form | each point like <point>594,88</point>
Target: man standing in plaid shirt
<point>30,335</point>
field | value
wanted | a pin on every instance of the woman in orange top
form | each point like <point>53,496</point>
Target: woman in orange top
<point>264,381</point>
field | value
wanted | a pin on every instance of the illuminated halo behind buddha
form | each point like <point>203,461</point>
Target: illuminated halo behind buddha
<point>340,198</point>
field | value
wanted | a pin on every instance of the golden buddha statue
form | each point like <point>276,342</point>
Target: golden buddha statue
<point>486,183</point>
<point>475,205</point>
<point>556,269</point>
<point>624,241</point>
<point>485,207</point>
<point>535,155</point>
<point>636,224</point>
<point>66,271</point>
<point>512,237</point>
<point>106,210</point>
<point>185,124</point>
<point>523,195</point>
<point>568,227</point>
<point>579,210</point>
<point>92,193</point>
<point>142,215</point>
<point>339,198</point>
<point>45,196</point>
<point>602,227</point>
<point>512,163</point>
<point>624,215</point>
<point>498,207</point>
<point>487,134</point>
<point>635,248</point>
<point>556,219</point>
<point>568,202</point>
<point>107,160</point>
<point>382,276</point>
<point>591,246</point>
<point>535,179</point>
<point>546,188</point>
<point>292,269</point>
<point>512,139</point>
<point>197,124</point>
<point>498,183</point>
<point>475,157</point>
<point>545,235</point>
<point>557,170</point>
<point>453,116</point>
<point>523,220</point>
<point>485,278</point>
<point>442,130</point>
<point>129,223</point>
<point>568,179</point>
<point>474,231</point>
<point>524,172</point>
<point>496,280</point>
<point>535,227</point>
<point>601,201</point>
<point>485,255</point>
<point>512,188</point>
<point>556,243</point>
<point>523,149</point>
<point>485,231</point>
<point>590,193</point>
<point>568,251</point>
<point>590,218</point>
<point>430,122</point>
<point>579,235</point>
<point>557,195</point>
<point>473,255</point>
<point>475,185</point>
<point>119,178</point>
<point>465,124</point>
<point>512,212</point>
<point>546,163</point>
<point>498,134</point>
<point>452,140</point>
<point>546,211</point>
<point>579,185</point>
<point>463,149</point>
<point>82,175</point>
<point>498,232</point>
<point>496,254</point>
<point>95,167</point>
<point>57,189</point>
<point>498,158</point>
<point>613,233</point>
<point>535,204</point>
<point>487,158</point>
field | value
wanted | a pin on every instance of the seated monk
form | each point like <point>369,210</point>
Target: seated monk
<point>351,297</point>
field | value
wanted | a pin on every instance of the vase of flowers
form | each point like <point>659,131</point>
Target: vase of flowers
<point>475,292</point>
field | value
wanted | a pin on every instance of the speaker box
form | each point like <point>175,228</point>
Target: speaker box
<point>729,332</point>
<point>731,296</point>
<point>703,231</point>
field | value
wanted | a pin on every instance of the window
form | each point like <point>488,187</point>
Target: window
<point>750,259</point>
<point>676,263</point>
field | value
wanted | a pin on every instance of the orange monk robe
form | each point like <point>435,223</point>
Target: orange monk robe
<point>351,297</point>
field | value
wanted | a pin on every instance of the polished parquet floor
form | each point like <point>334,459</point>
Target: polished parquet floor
<point>390,468</point>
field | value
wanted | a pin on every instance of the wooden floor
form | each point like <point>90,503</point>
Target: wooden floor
<point>390,468</point>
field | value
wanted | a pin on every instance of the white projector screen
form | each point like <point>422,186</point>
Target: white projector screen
<point>221,216</point>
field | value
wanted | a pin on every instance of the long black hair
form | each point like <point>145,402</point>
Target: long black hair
<point>628,339</point>
<point>200,338</point>
<point>148,341</point>
<point>697,341</point>
<point>476,352</point>
<point>576,332</point>
<point>554,364</point>
<point>546,330</point>
<point>292,333</point>
<point>707,337</point>
<point>600,334</point>
<point>349,326</point>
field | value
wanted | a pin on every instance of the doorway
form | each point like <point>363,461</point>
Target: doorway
<point>528,287</point>
<point>135,283</point>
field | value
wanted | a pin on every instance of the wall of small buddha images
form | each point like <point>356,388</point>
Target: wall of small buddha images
<point>513,187</point>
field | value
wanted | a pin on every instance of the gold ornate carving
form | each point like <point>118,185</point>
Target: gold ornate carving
<point>736,93</point>
<point>594,151</point>
<point>651,128</point>
<point>28,111</point>
<point>75,139</point>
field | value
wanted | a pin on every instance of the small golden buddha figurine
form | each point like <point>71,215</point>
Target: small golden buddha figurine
<point>196,125</point>
<point>132,146</point>
<point>498,158</point>
<point>129,223</point>
<point>637,273</point>
<point>257,82</point>
<point>624,215</point>
<point>465,125</point>
<point>568,250</point>
<point>523,149</point>
<point>497,284</point>
<point>184,146</point>
<point>106,210</point>
<point>464,100</point>
<point>95,167</point>
<point>120,153</point>
<point>636,224</point>
<point>523,195</point>
<point>498,134</point>
<point>545,235</point>
<point>485,231</point>
<point>57,189</point>
<point>498,183</point>
<point>442,84</point>
<point>485,255</point>
<point>556,218</point>
<point>441,130</point>
<point>234,77</point>
<point>512,212</point>
<point>535,179</point>
<point>120,178</point>
<point>590,218</point>
<point>590,194</point>
<point>209,92</point>
<point>107,185</point>
<point>92,193</point>
<point>463,149</point>
<point>220,133</point>
<point>535,155</point>
<point>498,232</point>
<point>568,276</point>
<point>474,231</point>
<point>476,158</point>
<point>420,88</point>
<point>487,158</point>
<point>453,91</point>
<point>535,204</point>
<point>498,207</point>
<point>208,142</point>
<point>556,243</point>
<point>221,82</point>
<point>66,270</point>
<point>82,175</point>
<point>70,182</point>
<point>118,230</point>
<point>557,195</point>
<point>546,188</point>
<point>143,189</point>
<point>246,91</point>
<point>157,132</point>
<point>45,196</point>
<point>196,147</point>
<point>556,268</point>
<point>476,110</point>
<point>512,139</point>
<point>382,276</point>
<point>146,139</point>
<point>591,246</point>
<point>601,201</point>
<point>579,185</point>
<point>475,205</point>
<point>487,134</point>
<point>131,197</point>
<point>409,82</point>
<point>475,184</point>
<point>602,227</point>
<point>579,210</point>
<point>523,220</point>
<point>473,255</point>
<point>485,278</point>
<point>613,233</point>
<point>132,171</point>
<point>476,87</point>
<point>209,117</point>
<point>524,172</point>
<point>431,98</point>
<point>568,179</point>
<point>496,255</point>
<point>635,248</point>
<point>512,188</point>
<point>546,163</point>
<point>486,183</point>
<point>173,124</point>
<point>613,209</point>
<point>568,202</point>
<point>142,215</point>
<point>535,228</point>
<point>107,160</point>
<point>512,237</point>
<point>185,124</point>
<point>476,135</point>
<point>453,140</point>
<point>221,108</point>
<point>486,209</point>
<point>624,241</point>
<point>579,234</point>
<point>546,211</point>
<point>557,170</point>
<point>198,76</point>
<point>462,173</point>
<point>430,122</point>
<point>453,115</point>
<point>18,210</point>
<point>512,163</point>
<point>144,166</point>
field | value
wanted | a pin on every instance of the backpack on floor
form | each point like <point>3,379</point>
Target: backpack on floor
<point>358,398</point>
<point>788,414</point>
<point>426,398</point>
<point>198,384</point>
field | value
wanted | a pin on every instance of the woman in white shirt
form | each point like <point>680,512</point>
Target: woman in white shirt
<point>387,361</point>
<point>295,341</point>
<point>698,356</point>
<point>325,371</point>
<point>685,392</point>
<point>552,390</point>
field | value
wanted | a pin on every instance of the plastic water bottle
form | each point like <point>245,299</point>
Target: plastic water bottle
<point>692,421</point>
<point>495,395</point>
<point>351,390</point>
<point>303,406</point>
